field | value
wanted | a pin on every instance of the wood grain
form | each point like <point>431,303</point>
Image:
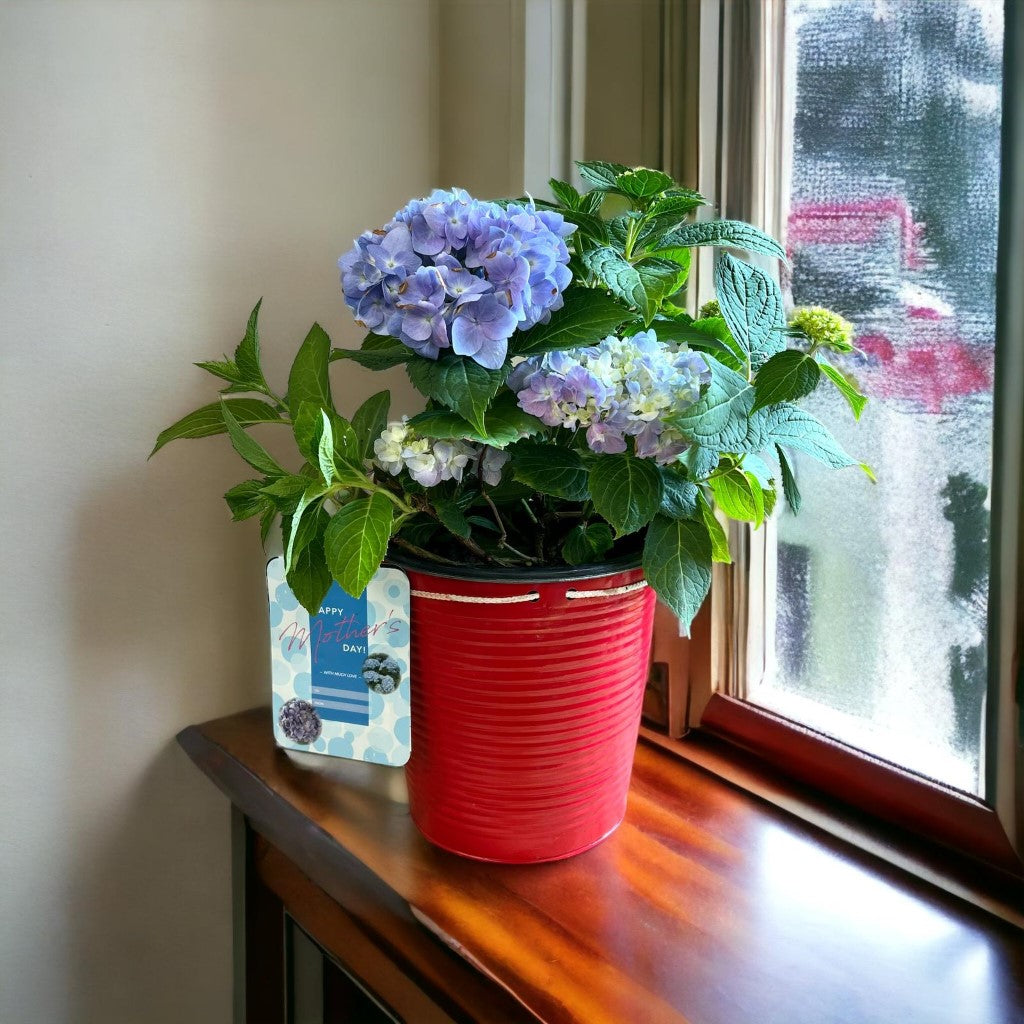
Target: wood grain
<point>707,906</point>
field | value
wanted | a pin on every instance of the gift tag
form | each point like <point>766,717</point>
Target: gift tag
<point>341,677</point>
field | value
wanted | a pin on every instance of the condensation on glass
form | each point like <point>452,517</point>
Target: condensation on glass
<point>881,592</point>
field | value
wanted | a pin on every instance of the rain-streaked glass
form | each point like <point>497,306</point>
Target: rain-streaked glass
<point>881,593</point>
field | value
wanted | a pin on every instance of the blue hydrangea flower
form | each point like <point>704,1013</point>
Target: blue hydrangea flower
<point>620,388</point>
<point>450,271</point>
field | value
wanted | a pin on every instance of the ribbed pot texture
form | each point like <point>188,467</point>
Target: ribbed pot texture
<point>525,715</point>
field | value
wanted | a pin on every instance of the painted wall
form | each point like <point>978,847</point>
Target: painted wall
<point>162,165</point>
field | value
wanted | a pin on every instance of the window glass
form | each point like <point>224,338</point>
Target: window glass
<point>881,592</point>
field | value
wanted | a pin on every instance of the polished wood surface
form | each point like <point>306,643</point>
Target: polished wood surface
<point>707,905</point>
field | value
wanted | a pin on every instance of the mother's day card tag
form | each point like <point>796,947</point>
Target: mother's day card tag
<point>341,677</point>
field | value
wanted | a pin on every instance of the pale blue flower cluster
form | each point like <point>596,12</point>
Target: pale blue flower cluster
<point>452,271</point>
<point>431,461</point>
<point>619,388</point>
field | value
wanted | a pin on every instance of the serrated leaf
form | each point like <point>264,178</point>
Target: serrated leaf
<point>846,387</point>
<point>711,335</point>
<point>504,423</point>
<point>459,383</point>
<point>719,420</point>
<point>325,449</point>
<point>298,536</point>
<point>247,447</point>
<point>677,564</point>
<point>719,538</point>
<point>285,491</point>
<point>678,496</point>
<point>738,495</point>
<point>642,182</point>
<point>565,193</point>
<point>452,517</point>
<point>308,429</point>
<point>247,355</point>
<point>586,316</point>
<point>356,541</point>
<point>599,173</point>
<point>590,226</point>
<point>308,380</point>
<point>727,233</point>
<point>209,420</point>
<point>377,353</point>
<point>266,525</point>
<point>586,543</point>
<point>626,491</point>
<point>369,421</point>
<point>785,377</point>
<point>556,471</point>
<point>789,487</point>
<point>620,277</point>
<point>752,306</point>
<point>309,578</point>
<point>246,500</point>
<point>700,462</point>
<point>225,369</point>
<point>790,426</point>
<point>591,202</point>
<point>660,278</point>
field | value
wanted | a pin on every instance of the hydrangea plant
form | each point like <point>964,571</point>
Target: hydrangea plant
<point>575,413</point>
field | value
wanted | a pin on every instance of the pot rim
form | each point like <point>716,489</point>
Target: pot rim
<point>513,575</point>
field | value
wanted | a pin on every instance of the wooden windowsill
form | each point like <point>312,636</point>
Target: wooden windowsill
<point>708,905</point>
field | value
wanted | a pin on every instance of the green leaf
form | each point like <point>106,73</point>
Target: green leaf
<point>459,383</point>
<point>700,462</point>
<point>309,578</point>
<point>565,193</point>
<point>731,233</point>
<point>600,174</point>
<point>589,225</point>
<point>789,487</point>
<point>586,543</point>
<point>226,370</point>
<point>356,541</point>
<point>642,182</point>
<point>247,500</point>
<point>504,423</point>
<point>739,496</point>
<point>590,202</point>
<point>588,314</point>
<point>620,277</point>
<point>266,524</point>
<point>251,450</point>
<point>369,421</point>
<point>556,471</point>
<point>786,376</point>
<point>247,355</point>
<point>626,491</point>
<point>752,306</point>
<point>790,426</point>
<point>451,516</point>
<point>209,420</point>
<point>678,496</point>
<point>660,278</point>
<point>846,387</point>
<point>308,380</point>
<point>325,450</point>
<point>308,428</point>
<point>285,491</point>
<point>377,353</point>
<point>677,564</point>
<point>710,335</point>
<point>719,538</point>
<point>299,536</point>
<point>719,420</point>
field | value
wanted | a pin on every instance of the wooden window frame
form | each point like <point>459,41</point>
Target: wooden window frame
<point>737,83</point>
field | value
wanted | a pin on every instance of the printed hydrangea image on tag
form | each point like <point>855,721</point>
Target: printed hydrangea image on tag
<point>341,677</point>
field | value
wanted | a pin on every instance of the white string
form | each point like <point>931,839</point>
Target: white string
<point>611,592</point>
<point>466,599</point>
<point>532,596</point>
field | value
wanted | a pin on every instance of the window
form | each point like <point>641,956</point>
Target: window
<point>881,619</point>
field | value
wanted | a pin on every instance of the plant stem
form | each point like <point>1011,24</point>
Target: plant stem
<point>422,552</point>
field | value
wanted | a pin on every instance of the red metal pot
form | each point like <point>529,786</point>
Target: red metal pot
<point>526,697</point>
